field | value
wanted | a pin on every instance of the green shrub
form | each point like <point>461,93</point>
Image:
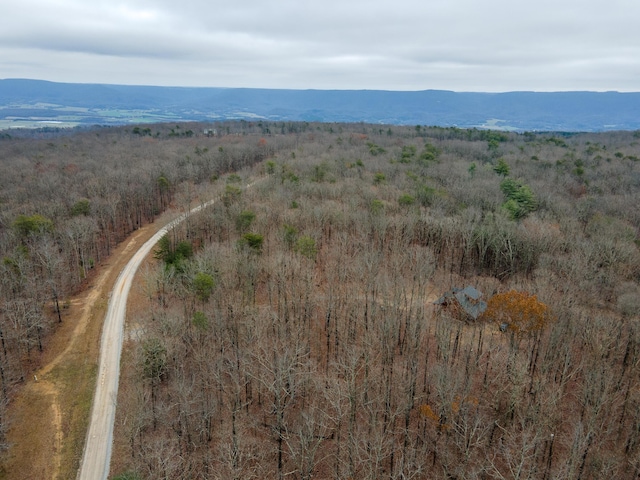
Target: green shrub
<point>520,199</point>
<point>173,256</point>
<point>200,321</point>
<point>306,246</point>
<point>253,241</point>
<point>290,235</point>
<point>407,154</point>
<point>244,220</point>
<point>509,187</point>
<point>203,284</point>
<point>375,150</point>
<point>163,183</point>
<point>34,224</point>
<point>501,168</point>
<point>429,154</point>
<point>231,195</point>
<point>406,200</point>
<point>425,195</point>
<point>81,207</point>
<point>271,167</point>
<point>379,178</point>
<point>319,173</point>
<point>376,206</point>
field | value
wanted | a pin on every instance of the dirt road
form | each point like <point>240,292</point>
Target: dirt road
<point>96,456</point>
<point>97,450</point>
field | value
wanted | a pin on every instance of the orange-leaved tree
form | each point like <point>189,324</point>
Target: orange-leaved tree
<point>522,312</point>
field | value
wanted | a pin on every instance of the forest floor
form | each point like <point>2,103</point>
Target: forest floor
<point>51,410</point>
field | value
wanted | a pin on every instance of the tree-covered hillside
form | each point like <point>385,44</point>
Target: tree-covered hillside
<point>299,337</point>
<point>290,329</point>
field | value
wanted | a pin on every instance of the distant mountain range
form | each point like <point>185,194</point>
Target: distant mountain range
<point>33,103</point>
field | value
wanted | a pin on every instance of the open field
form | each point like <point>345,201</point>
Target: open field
<point>60,116</point>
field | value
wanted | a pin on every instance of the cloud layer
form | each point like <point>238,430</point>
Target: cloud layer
<point>462,45</point>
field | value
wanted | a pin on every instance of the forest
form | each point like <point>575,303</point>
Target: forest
<point>293,329</point>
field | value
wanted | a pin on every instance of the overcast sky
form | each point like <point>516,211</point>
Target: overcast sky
<point>461,45</point>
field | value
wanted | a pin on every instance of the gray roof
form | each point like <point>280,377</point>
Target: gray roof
<point>468,298</point>
<point>470,292</point>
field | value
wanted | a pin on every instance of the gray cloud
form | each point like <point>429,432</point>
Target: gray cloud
<point>464,45</point>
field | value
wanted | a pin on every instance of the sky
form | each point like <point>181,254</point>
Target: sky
<point>459,45</point>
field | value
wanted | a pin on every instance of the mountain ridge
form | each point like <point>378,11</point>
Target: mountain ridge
<point>28,103</point>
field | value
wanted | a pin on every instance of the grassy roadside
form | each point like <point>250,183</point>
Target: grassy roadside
<point>77,377</point>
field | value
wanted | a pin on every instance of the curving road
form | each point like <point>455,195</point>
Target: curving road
<point>96,456</point>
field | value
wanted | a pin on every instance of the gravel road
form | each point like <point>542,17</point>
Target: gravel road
<point>97,450</point>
